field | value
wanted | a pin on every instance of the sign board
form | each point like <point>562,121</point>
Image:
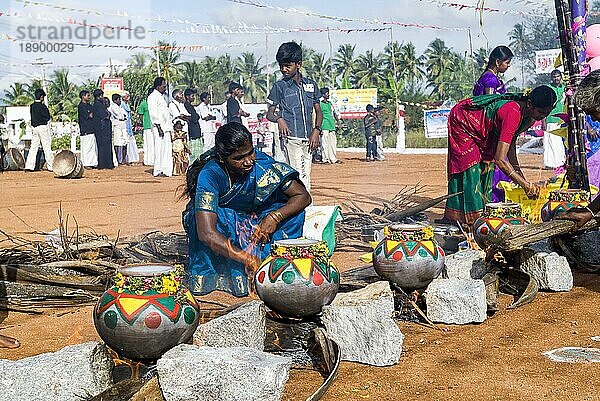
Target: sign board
<point>352,103</point>
<point>436,123</point>
<point>111,85</point>
<point>545,60</point>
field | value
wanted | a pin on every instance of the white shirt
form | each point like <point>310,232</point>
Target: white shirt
<point>177,108</point>
<point>159,111</point>
<point>118,116</point>
<point>205,111</point>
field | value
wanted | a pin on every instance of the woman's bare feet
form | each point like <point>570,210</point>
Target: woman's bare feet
<point>9,342</point>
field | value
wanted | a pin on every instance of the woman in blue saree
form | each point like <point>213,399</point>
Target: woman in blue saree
<point>241,200</point>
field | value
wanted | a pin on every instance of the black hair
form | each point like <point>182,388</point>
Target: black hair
<point>115,96</point>
<point>203,96</point>
<point>233,86</point>
<point>228,139</point>
<point>97,93</point>
<point>38,94</point>
<point>158,81</point>
<point>324,90</point>
<point>150,90</point>
<point>555,72</point>
<point>543,96</point>
<point>289,52</point>
<point>500,53</point>
<point>83,93</point>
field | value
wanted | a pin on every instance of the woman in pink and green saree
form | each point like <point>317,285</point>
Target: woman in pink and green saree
<point>481,134</point>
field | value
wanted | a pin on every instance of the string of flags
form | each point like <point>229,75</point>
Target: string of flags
<point>209,27</point>
<point>64,65</point>
<point>461,6</point>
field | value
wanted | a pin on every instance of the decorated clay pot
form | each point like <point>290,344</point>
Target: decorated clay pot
<point>496,218</point>
<point>408,256</point>
<point>297,279</point>
<point>148,311</point>
<point>562,200</point>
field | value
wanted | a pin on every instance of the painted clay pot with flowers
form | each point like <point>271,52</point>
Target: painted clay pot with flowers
<point>496,218</point>
<point>408,256</point>
<point>561,200</point>
<point>148,311</point>
<point>297,279</point>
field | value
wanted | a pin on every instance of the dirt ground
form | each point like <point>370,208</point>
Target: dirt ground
<point>500,359</point>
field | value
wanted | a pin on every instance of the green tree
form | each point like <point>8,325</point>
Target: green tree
<point>318,69</point>
<point>391,58</point>
<point>190,74</point>
<point>438,61</point>
<point>410,67</point>
<point>520,44</point>
<point>138,60</point>
<point>168,57</point>
<point>251,73</point>
<point>63,95</point>
<point>17,95</point>
<point>344,61</point>
<point>369,72</point>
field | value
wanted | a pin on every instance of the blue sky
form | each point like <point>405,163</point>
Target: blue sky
<point>229,14</point>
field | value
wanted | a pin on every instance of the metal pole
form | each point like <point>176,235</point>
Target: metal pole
<point>471,55</point>
<point>42,64</point>
<point>331,79</point>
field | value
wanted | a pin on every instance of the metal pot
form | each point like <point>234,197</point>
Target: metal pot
<point>13,160</point>
<point>67,165</point>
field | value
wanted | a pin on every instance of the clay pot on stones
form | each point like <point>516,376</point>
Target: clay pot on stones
<point>408,256</point>
<point>297,279</point>
<point>496,218</point>
<point>562,200</point>
<point>148,311</point>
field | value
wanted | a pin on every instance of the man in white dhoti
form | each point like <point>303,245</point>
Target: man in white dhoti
<point>40,116</point>
<point>133,154</point>
<point>118,119</point>
<point>554,148</point>
<point>207,121</point>
<point>85,117</point>
<point>162,126</point>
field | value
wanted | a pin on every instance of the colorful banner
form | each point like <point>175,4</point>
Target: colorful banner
<point>545,60</point>
<point>578,14</point>
<point>111,85</point>
<point>352,103</point>
<point>436,123</point>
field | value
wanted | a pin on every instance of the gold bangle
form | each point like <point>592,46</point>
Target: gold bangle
<point>276,216</point>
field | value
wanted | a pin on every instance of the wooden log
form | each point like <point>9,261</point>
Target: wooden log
<point>515,238</point>
<point>18,274</point>
<point>419,208</point>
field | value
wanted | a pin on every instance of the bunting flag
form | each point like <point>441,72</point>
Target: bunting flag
<point>209,27</point>
<point>342,19</point>
<point>460,6</point>
<point>66,65</point>
<point>191,48</point>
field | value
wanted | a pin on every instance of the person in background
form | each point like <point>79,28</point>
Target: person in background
<point>118,118</point>
<point>181,150</point>
<point>85,118</point>
<point>234,108</point>
<point>297,97</point>
<point>133,153</point>
<point>40,116</point>
<point>148,137</point>
<point>162,127</point>
<point>328,138</point>
<point>554,148</point>
<point>379,135</point>
<point>240,201</point>
<point>207,121</point>
<point>194,132</point>
<point>370,122</point>
<point>489,82</point>
<point>103,131</point>
<point>178,110</point>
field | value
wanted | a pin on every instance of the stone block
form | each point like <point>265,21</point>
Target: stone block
<point>467,264</point>
<point>191,373</point>
<point>550,270</point>
<point>361,323</point>
<point>74,373</point>
<point>242,327</point>
<point>456,301</point>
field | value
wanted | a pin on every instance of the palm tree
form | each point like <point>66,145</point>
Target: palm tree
<point>520,43</point>
<point>318,69</point>
<point>138,60</point>
<point>410,66</point>
<point>251,73</point>
<point>63,96</point>
<point>16,95</point>
<point>344,61</point>
<point>438,62</point>
<point>168,57</point>
<point>369,71</point>
<point>391,57</point>
<point>190,76</point>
